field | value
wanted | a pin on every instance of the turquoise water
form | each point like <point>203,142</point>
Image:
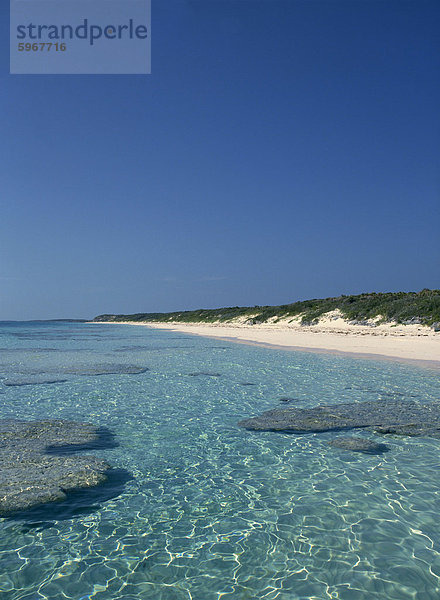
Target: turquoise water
<point>214,511</point>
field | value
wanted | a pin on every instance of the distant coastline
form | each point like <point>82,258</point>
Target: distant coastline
<point>45,321</point>
<point>349,325</point>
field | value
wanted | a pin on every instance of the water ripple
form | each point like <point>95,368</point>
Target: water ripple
<point>214,512</point>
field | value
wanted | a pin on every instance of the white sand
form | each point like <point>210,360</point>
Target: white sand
<point>332,334</point>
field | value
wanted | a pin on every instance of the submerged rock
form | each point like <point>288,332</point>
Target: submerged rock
<point>108,370</point>
<point>358,444</point>
<point>204,373</point>
<point>288,399</point>
<point>402,417</point>
<point>35,467</point>
<point>32,381</point>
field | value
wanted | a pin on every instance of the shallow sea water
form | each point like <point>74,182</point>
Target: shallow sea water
<point>213,511</point>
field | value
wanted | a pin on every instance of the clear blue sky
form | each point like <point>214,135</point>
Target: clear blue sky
<point>280,150</point>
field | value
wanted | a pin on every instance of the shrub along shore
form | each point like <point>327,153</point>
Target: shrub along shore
<point>406,308</point>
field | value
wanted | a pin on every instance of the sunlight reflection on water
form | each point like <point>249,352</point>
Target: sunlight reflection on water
<point>213,511</point>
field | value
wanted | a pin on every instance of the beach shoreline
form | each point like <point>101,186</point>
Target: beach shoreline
<point>413,344</point>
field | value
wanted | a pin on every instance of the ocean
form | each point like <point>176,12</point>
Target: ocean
<point>199,508</point>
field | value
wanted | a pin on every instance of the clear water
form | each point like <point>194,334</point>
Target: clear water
<point>213,511</point>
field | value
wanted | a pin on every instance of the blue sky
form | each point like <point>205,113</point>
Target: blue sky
<point>280,150</point>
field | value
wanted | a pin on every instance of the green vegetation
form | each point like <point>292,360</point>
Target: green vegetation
<point>401,307</point>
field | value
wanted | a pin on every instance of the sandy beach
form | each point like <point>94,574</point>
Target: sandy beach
<point>408,343</point>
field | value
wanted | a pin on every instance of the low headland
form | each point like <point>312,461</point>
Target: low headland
<point>401,326</point>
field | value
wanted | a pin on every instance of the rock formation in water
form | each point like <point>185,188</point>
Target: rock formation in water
<point>401,417</point>
<point>358,444</point>
<point>36,464</point>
